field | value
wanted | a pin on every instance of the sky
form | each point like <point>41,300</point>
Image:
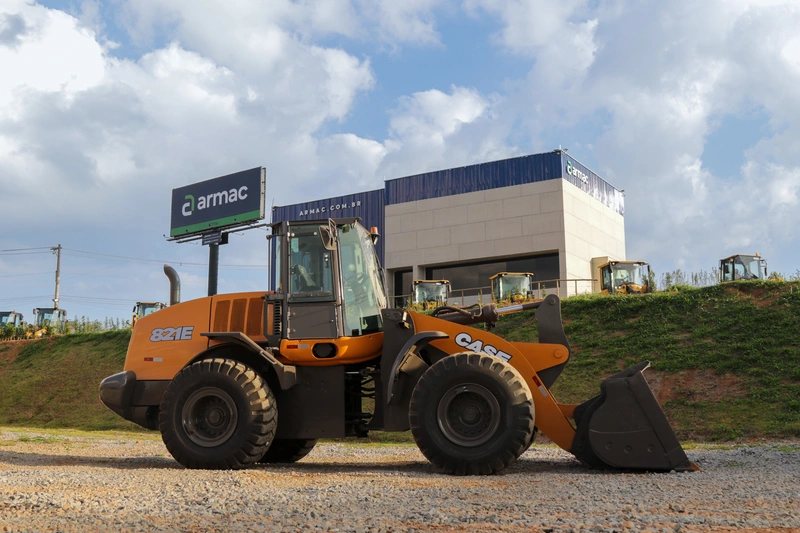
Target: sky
<point>692,108</point>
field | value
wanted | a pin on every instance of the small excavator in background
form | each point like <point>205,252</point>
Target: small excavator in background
<point>232,380</point>
<point>427,295</point>
<point>10,317</point>
<point>142,309</point>
<point>742,267</point>
<point>512,287</point>
<point>46,320</point>
<point>624,277</point>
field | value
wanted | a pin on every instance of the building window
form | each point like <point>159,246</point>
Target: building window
<point>473,279</point>
<point>402,287</point>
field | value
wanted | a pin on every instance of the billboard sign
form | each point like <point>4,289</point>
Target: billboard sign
<point>233,200</point>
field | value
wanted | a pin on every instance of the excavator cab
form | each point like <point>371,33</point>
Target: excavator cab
<point>231,380</point>
<point>742,267</point>
<point>10,317</point>
<point>625,277</point>
<point>429,294</point>
<point>512,287</point>
<point>46,319</point>
<point>142,309</point>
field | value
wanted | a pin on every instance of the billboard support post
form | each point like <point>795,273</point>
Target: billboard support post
<point>213,268</point>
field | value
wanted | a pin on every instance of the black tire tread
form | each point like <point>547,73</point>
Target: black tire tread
<point>518,437</point>
<point>263,415</point>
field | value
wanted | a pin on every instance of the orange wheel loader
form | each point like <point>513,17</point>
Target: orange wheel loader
<point>237,379</point>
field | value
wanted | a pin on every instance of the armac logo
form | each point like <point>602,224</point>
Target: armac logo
<point>574,171</point>
<point>213,200</point>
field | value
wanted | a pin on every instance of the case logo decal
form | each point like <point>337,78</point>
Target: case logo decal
<point>465,340</point>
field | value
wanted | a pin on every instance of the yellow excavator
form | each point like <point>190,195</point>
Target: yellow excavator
<point>512,287</point>
<point>429,294</point>
<point>743,267</point>
<point>10,317</point>
<point>236,379</point>
<point>46,321</point>
<point>142,309</point>
<point>624,277</point>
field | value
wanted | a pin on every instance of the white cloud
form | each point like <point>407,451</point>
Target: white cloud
<point>45,50</point>
<point>662,77</point>
<point>409,21</point>
<point>433,130</point>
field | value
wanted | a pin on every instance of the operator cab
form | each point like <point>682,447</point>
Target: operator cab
<point>741,266</point>
<point>142,309</point>
<point>625,277</point>
<point>10,317</point>
<point>512,287</point>
<point>430,294</point>
<point>49,316</point>
<point>330,277</point>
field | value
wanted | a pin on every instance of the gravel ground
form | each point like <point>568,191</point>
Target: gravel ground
<point>130,483</point>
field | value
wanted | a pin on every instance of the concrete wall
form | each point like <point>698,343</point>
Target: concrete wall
<point>591,229</point>
<point>542,217</point>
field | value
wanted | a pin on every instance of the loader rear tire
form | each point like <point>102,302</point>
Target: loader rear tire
<point>217,414</point>
<point>288,450</point>
<point>471,414</point>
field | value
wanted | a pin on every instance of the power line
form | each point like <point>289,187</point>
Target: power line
<point>95,298</point>
<point>30,274</point>
<point>22,253</point>
<point>45,250</point>
<point>143,259</point>
<point>25,249</point>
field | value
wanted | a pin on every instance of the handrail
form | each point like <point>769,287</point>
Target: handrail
<point>543,288</point>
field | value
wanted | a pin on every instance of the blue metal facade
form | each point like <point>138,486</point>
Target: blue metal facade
<point>368,206</point>
<point>516,171</point>
<point>505,173</point>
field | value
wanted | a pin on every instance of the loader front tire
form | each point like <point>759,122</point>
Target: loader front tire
<point>217,414</point>
<point>471,414</point>
<point>288,450</point>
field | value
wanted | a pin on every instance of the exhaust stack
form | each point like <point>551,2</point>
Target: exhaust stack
<point>174,285</point>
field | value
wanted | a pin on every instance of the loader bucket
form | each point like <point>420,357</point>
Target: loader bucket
<point>624,427</point>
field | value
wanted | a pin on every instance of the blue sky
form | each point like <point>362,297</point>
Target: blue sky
<point>105,106</point>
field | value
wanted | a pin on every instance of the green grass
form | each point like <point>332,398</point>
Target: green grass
<point>729,355</point>
<point>54,382</point>
<point>747,331</point>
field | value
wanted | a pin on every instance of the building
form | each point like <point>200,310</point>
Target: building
<point>543,213</point>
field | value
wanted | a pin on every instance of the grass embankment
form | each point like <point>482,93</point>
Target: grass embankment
<point>725,361</point>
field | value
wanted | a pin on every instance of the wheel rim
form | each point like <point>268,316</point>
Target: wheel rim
<point>209,417</point>
<point>468,415</point>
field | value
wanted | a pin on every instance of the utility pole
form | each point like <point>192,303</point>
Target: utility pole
<point>57,251</point>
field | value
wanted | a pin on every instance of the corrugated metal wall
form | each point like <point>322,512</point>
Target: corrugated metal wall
<point>368,206</point>
<point>505,173</point>
<point>516,171</point>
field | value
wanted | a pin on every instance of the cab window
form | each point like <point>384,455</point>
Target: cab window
<point>310,267</point>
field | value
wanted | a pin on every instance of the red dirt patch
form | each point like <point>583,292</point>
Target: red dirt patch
<point>9,350</point>
<point>703,385</point>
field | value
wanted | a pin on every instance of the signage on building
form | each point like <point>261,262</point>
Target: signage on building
<point>223,202</point>
<point>332,208</point>
<point>575,172</point>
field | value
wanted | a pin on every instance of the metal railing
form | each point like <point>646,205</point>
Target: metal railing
<point>564,288</point>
